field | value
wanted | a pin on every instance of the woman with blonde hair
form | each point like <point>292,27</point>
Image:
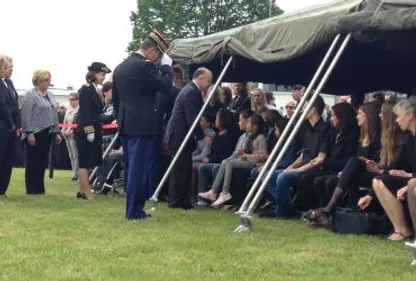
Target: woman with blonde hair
<point>391,187</point>
<point>258,102</point>
<point>40,126</point>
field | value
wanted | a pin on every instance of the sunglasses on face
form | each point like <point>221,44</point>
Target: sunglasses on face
<point>290,107</point>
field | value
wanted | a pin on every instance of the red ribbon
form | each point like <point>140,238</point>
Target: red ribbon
<point>105,126</point>
<point>111,126</point>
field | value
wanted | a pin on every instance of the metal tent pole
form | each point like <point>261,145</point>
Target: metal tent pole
<point>245,221</point>
<point>106,152</point>
<point>154,198</point>
<point>287,130</point>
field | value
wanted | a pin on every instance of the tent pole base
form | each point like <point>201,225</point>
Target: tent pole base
<point>153,203</point>
<point>412,247</point>
<point>245,224</point>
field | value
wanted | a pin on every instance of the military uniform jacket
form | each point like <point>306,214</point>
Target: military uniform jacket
<point>136,83</point>
<point>90,108</point>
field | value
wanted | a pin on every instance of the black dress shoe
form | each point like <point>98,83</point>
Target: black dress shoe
<point>181,206</point>
<point>267,214</point>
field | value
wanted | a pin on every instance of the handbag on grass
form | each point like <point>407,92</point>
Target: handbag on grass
<point>355,221</point>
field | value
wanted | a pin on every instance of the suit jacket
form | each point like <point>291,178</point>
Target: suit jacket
<point>14,104</point>
<point>187,106</point>
<point>90,108</point>
<point>240,103</point>
<point>6,118</point>
<point>136,83</point>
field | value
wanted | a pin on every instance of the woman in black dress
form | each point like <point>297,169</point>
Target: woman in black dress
<point>391,188</point>
<point>331,190</point>
<point>343,145</point>
<point>89,130</point>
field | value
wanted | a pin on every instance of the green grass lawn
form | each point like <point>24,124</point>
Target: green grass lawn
<point>56,237</point>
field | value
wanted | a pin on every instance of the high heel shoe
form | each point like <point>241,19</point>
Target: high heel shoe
<point>81,195</point>
<point>89,195</point>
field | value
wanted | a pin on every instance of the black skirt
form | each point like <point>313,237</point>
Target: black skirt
<point>393,183</point>
<point>89,153</point>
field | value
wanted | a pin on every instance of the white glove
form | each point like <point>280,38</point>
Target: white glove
<point>166,60</point>
<point>90,137</point>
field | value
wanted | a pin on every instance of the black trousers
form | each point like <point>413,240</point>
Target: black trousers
<point>180,181</point>
<point>7,139</point>
<point>354,175</point>
<point>36,162</point>
<point>239,185</point>
<point>305,185</point>
<point>324,186</point>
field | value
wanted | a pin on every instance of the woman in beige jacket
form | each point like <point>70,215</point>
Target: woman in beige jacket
<point>68,133</point>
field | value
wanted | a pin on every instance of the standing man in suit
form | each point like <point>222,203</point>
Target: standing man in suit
<point>187,106</point>
<point>136,82</point>
<point>8,125</point>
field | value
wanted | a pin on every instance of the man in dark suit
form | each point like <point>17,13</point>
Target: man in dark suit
<point>9,122</point>
<point>241,100</point>
<point>136,82</point>
<point>187,107</point>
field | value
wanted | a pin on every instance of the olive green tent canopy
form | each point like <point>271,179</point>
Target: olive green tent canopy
<point>288,49</point>
<point>272,40</point>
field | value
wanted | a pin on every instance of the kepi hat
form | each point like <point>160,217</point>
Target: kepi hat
<point>159,39</point>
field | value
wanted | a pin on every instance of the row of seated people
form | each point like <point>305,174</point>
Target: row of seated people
<point>373,147</point>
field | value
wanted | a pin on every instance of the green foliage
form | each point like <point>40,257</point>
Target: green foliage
<point>192,18</point>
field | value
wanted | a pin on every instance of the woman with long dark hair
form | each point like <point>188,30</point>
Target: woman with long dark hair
<point>360,171</point>
<point>226,97</point>
<point>89,131</point>
<point>342,146</point>
<point>221,148</point>
<point>255,146</point>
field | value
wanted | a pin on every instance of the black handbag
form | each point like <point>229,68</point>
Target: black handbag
<point>355,221</point>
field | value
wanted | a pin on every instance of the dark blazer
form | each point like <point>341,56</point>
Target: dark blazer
<point>90,108</point>
<point>187,106</point>
<point>136,82</point>
<point>14,104</point>
<point>240,103</point>
<point>6,118</point>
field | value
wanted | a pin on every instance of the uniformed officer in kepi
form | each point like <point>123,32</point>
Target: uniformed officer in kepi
<point>136,82</point>
<point>88,134</point>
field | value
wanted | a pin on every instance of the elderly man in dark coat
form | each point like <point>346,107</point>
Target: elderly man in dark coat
<point>136,82</point>
<point>187,107</point>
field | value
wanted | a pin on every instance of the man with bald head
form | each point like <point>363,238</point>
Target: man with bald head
<point>187,106</point>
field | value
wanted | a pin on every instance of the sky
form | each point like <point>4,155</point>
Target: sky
<point>65,36</point>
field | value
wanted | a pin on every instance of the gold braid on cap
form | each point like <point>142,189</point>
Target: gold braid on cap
<point>160,40</point>
<point>105,69</point>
